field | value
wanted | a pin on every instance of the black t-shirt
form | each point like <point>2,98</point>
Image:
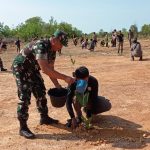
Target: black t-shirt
<point>18,43</point>
<point>33,51</point>
<point>120,37</point>
<point>92,88</point>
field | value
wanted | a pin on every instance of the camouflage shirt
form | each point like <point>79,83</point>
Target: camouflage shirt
<point>33,51</point>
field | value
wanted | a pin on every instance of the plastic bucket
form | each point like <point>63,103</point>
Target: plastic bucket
<point>58,96</point>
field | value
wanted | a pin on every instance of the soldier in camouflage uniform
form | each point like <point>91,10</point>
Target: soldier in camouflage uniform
<point>39,54</point>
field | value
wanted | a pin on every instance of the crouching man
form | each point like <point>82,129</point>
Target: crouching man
<point>84,93</point>
<point>136,50</point>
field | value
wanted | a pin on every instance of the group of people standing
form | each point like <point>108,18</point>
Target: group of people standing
<point>117,40</point>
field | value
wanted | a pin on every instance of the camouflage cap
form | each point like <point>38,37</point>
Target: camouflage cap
<point>58,33</point>
<point>64,39</point>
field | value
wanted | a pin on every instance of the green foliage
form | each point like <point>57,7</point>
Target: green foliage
<point>145,31</point>
<point>87,122</point>
<point>5,31</point>
<point>50,27</point>
<point>1,30</point>
<point>69,29</point>
<point>76,32</point>
<point>134,29</point>
<point>125,32</point>
<point>101,33</point>
<point>35,26</point>
<point>31,28</point>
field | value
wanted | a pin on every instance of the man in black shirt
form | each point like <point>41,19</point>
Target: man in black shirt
<point>120,39</point>
<point>84,93</point>
<point>17,43</point>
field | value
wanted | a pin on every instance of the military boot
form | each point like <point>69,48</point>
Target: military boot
<point>45,119</point>
<point>25,131</point>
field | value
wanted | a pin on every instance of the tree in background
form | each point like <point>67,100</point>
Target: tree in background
<point>101,33</point>
<point>145,30</point>
<point>31,28</point>
<point>5,31</point>
<point>134,29</point>
<point>35,26</point>
<point>50,27</point>
<point>125,32</point>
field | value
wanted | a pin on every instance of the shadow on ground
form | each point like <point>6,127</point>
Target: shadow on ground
<point>6,72</point>
<point>107,129</point>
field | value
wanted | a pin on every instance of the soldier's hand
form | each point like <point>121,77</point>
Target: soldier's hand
<point>58,86</point>
<point>69,80</point>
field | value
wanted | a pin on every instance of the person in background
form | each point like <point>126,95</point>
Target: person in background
<point>106,39</point>
<point>136,50</point>
<point>120,40</point>
<point>81,40</point>
<point>130,36</point>
<point>91,45</point>
<point>85,44</point>
<point>113,40</point>
<point>95,38</point>
<point>17,43</point>
<point>75,40</point>
<point>102,43</point>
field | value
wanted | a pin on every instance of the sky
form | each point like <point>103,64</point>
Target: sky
<point>86,15</point>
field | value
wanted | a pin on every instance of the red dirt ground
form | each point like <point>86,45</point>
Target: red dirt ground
<point>124,82</point>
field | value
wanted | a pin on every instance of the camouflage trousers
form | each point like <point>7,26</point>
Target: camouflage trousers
<point>28,83</point>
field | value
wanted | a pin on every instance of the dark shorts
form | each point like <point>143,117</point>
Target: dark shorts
<point>101,105</point>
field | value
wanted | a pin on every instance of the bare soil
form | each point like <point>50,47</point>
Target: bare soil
<point>124,82</point>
